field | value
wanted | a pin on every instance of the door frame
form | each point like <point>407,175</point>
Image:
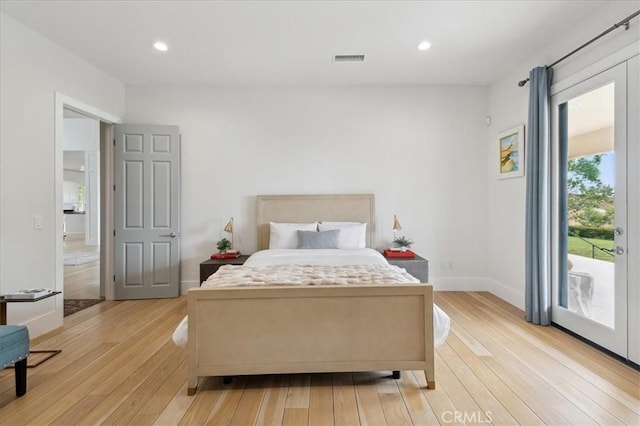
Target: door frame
<point>616,339</point>
<point>624,54</point>
<point>633,187</point>
<point>106,119</point>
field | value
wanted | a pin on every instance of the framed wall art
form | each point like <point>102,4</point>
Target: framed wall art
<point>511,153</point>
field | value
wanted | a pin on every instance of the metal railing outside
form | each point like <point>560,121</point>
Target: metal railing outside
<point>594,247</point>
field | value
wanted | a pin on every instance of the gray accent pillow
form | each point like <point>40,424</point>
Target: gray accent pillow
<point>318,240</point>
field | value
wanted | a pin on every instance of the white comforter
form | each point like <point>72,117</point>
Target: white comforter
<point>315,267</point>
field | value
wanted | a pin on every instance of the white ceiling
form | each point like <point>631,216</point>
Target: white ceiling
<point>293,42</point>
<point>592,111</point>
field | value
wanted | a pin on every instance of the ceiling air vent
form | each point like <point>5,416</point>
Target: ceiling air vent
<point>348,58</point>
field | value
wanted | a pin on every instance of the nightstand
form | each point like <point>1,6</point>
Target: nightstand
<point>210,266</point>
<point>417,266</point>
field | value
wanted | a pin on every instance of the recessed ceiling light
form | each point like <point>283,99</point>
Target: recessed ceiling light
<point>424,45</point>
<point>160,46</point>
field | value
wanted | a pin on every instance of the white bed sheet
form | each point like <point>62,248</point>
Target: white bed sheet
<point>339,257</point>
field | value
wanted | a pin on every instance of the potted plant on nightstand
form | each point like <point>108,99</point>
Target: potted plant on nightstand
<point>223,245</point>
<point>402,243</point>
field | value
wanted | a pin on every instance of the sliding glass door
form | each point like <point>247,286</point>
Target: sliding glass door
<point>590,209</point>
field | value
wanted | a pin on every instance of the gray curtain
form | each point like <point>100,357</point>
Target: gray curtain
<point>538,226</point>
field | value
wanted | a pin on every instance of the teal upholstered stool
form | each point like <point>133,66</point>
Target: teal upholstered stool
<point>14,349</point>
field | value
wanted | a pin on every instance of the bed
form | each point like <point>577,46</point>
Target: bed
<point>274,328</point>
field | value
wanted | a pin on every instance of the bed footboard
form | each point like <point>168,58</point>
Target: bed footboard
<point>307,329</point>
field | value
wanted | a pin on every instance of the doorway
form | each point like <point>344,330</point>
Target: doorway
<point>81,211</point>
<point>162,144</point>
<point>99,168</point>
<point>591,210</point>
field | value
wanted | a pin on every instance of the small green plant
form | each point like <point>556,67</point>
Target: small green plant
<point>223,245</point>
<point>402,242</point>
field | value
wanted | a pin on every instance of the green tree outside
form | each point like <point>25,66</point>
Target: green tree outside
<point>590,203</point>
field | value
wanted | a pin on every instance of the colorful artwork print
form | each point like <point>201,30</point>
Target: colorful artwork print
<point>511,152</point>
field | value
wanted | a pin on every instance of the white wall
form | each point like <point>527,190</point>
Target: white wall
<point>81,134</point>
<point>420,150</point>
<point>32,69</point>
<point>72,180</point>
<point>508,106</point>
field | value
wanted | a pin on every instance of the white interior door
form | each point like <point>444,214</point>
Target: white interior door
<point>590,216</point>
<point>147,211</point>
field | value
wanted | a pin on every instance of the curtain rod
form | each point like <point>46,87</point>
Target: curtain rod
<point>624,22</point>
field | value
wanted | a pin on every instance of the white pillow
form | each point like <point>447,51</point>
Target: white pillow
<point>285,235</point>
<point>352,234</point>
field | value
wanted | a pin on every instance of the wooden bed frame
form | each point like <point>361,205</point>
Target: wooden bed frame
<point>271,330</point>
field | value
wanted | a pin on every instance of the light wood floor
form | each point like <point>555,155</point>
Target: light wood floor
<point>81,281</point>
<point>119,366</point>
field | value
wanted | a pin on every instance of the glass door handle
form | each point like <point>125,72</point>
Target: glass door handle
<point>619,250</point>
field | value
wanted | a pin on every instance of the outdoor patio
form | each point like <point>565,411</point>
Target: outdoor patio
<point>602,302</point>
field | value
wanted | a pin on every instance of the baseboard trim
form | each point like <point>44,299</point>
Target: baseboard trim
<point>45,323</point>
<point>506,293</point>
<point>459,284</point>
<point>494,287</point>
<point>186,285</point>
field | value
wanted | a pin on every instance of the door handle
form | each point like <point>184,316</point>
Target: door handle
<point>619,250</point>
<point>619,231</point>
<point>172,235</point>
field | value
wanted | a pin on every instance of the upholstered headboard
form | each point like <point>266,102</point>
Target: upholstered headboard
<point>311,208</point>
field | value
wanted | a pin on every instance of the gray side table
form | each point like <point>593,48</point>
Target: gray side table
<point>417,266</point>
<point>210,266</point>
<point>3,321</point>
